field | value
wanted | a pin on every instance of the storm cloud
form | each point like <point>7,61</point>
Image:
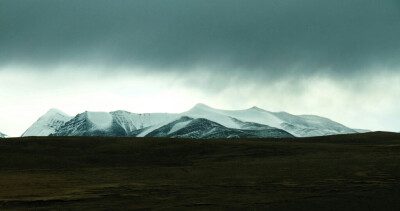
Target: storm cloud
<point>334,58</point>
<point>266,38</point>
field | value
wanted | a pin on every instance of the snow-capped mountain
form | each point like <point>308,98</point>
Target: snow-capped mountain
<point>160,125</point>
<point>201,121</point>
<point>187,127</point>
<point>2,135</point>
<point>117,123</point>
<point>300,126</point>
<point>310,125</point>
<point>48,123</point>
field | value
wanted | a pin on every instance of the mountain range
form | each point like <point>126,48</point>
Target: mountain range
<point>201,121</point>
<point>2,135</point>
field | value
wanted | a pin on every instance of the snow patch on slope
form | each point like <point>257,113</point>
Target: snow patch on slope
<point>164,120</point>
<point>179,126</point>
<point>150,129</point>
<point>101,120</point>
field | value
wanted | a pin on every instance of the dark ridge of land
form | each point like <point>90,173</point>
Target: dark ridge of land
<point>342,172</point>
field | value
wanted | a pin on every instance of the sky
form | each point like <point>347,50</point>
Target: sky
<point>338,59</point>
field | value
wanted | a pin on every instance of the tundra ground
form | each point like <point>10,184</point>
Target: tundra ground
<point>344,172</point>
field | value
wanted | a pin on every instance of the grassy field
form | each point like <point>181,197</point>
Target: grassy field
<point>345,172</point>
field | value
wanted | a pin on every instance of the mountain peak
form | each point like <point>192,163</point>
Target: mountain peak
<point>256,108</point>
<point>201,106</point>
<point>48,123</point>
<point>54,111</point>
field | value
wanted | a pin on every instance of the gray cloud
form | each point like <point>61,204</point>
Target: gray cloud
<point>334,58</point>
<point>264,39</point>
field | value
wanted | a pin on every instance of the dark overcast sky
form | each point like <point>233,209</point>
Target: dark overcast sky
<point>270,36</point>
<point>262,41</point>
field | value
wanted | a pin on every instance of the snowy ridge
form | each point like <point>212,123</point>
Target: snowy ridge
<point>179,126</point>
<point>223,117</point>
<point>230,123</point>
<point>48,123</point>
<point>2,135</point>
<point>311,125</point>
<point>132,121</point>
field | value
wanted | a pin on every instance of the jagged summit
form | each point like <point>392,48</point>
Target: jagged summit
<point>48,123</point>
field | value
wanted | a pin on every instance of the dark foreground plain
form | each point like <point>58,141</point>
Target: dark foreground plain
<point>345,172</point>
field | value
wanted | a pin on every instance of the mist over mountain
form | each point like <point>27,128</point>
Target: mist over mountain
<point>201,121</point>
